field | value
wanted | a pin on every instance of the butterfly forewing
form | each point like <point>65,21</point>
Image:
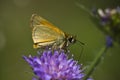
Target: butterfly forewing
<point>44,33</point>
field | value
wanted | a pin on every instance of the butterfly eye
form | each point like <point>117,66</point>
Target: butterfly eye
<point>71,39</point>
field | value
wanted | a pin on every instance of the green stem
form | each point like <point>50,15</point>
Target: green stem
<point>95,62</point>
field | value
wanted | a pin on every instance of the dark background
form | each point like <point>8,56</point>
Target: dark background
<point>16,41</point>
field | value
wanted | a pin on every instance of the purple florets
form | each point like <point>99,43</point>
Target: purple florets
<point>55,66</point>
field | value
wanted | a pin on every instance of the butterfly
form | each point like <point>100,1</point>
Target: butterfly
<point>45,34</point>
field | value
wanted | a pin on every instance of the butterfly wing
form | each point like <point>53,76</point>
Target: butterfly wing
<point>44,33</point>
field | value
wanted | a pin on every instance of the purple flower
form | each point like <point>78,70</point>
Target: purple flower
<point>54,66</point>
<point>109,41</point>
<point>107,15</point>
<point>104,16</point>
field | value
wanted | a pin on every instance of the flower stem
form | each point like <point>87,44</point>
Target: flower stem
<point>96,62</point>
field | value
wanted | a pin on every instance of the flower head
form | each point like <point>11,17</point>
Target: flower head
<point>107,15</point>
<point>55,66</point>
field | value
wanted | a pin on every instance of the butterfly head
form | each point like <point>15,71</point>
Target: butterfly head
<point>71,39</point>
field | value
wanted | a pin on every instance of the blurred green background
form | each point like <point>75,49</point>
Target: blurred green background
<point>16,41</point>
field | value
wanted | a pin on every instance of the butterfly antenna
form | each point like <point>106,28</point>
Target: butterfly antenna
<point>81,42</point>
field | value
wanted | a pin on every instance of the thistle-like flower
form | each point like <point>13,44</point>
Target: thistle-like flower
<point>55,66</point>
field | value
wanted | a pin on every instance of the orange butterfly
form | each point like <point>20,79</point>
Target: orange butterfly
<point>45,34</point>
